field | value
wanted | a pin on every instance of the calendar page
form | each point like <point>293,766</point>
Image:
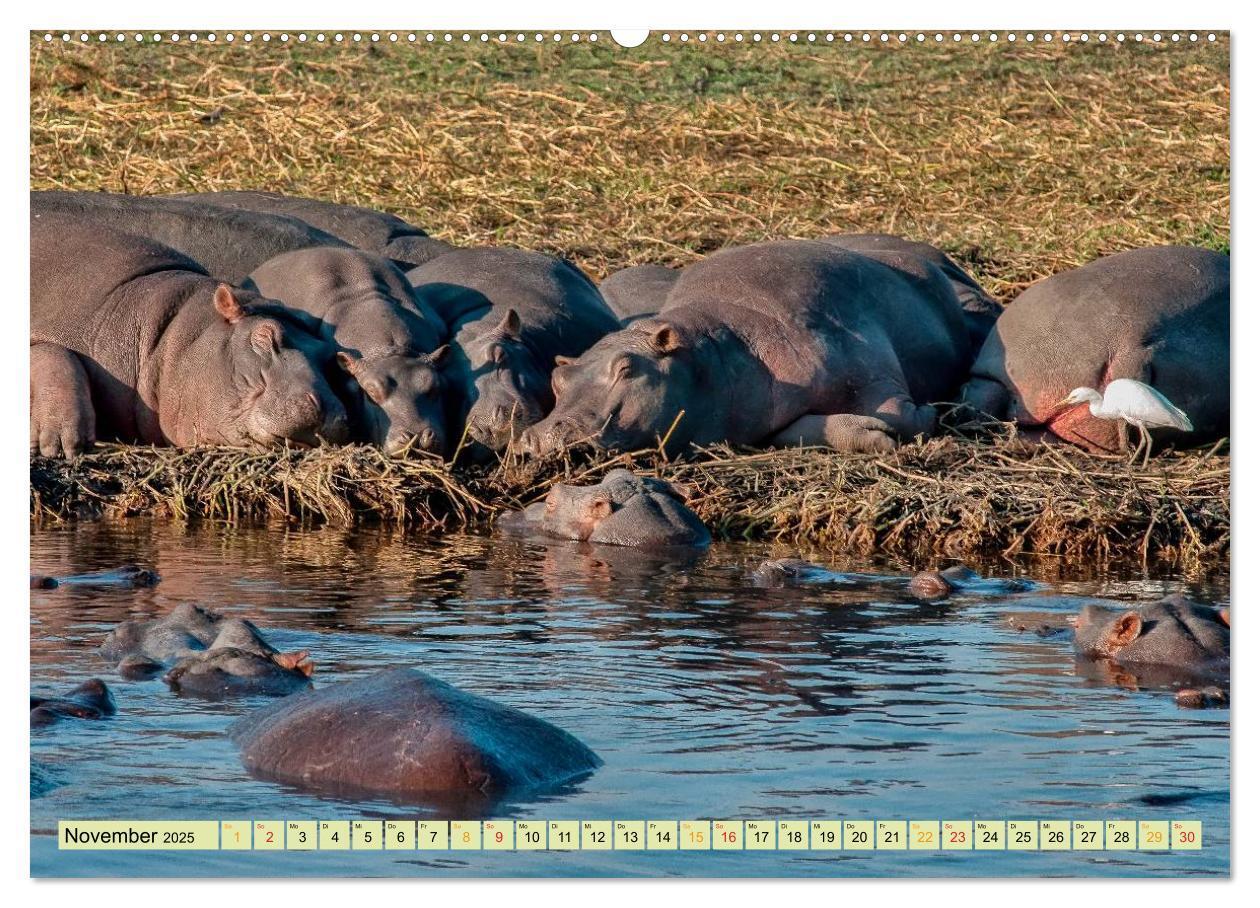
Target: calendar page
<point>781,453</point>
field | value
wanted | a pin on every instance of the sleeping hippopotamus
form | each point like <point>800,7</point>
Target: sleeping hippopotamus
<point>787,342</point>
<point>364,228</point>
<point>131,341</point>
<point>511,313</point>
<point>89,700</point>
<point>389,341</point>
<point>919,261</point>
<point>208,656</point>
<point>623,509</point>
<point>1158,316</point>
<point>638,292</point>
<point>403,734</point>
<point>227,243</point>
<point>1172,642</point>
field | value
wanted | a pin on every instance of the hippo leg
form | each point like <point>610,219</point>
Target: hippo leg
<point>841,431</point>
<point>893,404</point>
<point>985,397</point>
<point>62,419</point>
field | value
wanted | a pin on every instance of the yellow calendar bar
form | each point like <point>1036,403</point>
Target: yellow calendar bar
<point>692,835</point>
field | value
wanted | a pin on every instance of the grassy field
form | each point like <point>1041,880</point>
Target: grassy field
<point>1020,160</point>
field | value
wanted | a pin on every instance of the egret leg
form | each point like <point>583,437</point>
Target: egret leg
<point>1122,429</point>
<point>1149,442</point>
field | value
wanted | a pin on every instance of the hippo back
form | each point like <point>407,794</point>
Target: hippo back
<point>639,291</point>
<point>364,228</point>
<point>1158,315</point>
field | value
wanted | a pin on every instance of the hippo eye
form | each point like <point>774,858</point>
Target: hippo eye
<point>498,355</point>
<point>622,367</point>
<point>374,390</point>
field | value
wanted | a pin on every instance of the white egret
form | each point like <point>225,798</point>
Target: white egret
<point>1136,403</point>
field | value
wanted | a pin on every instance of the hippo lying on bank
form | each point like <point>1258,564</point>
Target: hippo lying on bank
<point>787,342</point>
<point>782,572</point>
<point>89,700</point>
<point>1170,643</point>
<point>207,656</point>
<point>623,509</point>
<point>407,735</point>
<point>129,576</point>
<point>227,243</point>
<point>1159,316</point>
<point>131,341</point>
<point>364,228</point>
<point>390,343</point>
<point>512,313</point>
<point>638,292</point>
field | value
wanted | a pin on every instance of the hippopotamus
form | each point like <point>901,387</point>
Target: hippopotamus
<point>1159,316</point>
<point>639,291</point>
<point>959,578</point>
<point>133,342</point>
<point>1172,642</point>
<point>622,509</point>
<point>781,572</point>
<point>227,243</point>
<point>207,655</point>
<point>406,735</point>
<point>919,262</point>
<point>374,231</point>
<point>783,342</point>
<point>128,576</point>
<point>511,313</point>
<point>90,700</point>
<point>389,341</point>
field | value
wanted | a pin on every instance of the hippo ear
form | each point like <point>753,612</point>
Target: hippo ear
<point>266,337</point>
<point>1223,614</point>
<point>1123,631</point>
<point>511,324</point>
<point>565,360</point>
<point>665,340</point>
<point>598,508</point>
<point>440,355</point>
<point>299,661</point>
<point>348,361</point>
<point>227,305</point>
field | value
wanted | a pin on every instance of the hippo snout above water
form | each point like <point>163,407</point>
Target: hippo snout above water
<point>90,700</point>
<point>623,509</point>
<point>781,572</point>
<point>404,734</point>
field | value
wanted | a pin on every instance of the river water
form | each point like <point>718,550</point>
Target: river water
<point>705,696</point>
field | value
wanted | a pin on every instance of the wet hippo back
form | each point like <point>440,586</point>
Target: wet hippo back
<point>364,228</point>
<point>225,243</point>
<point>1158,315</point>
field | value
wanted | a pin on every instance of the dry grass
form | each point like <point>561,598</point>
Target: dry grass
<point>951,496</point>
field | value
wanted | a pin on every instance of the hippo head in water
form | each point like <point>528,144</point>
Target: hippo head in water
<point>402,393</point>
<point>628,391</point>
<point>259,382</point>
<point>1173,641</point>
<point>623,509</point>
<point>511,388</point>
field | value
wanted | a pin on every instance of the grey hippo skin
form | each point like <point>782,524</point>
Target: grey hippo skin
<point>786,342</point>
<point>89,700</point>
<point>511,313</point>
<point>919,261</point>
<point>623,509</point>
<point>167,354</point>
<point>128,576</point>
<point>226,243</point>
<point>638,292</point>
<point>1171,642</point>
<point>364,228</point>
<point>390,343</point>
<point>207,656</point>
<point>406,735</point>
<point>784,572</point>
<point>1157,315</point>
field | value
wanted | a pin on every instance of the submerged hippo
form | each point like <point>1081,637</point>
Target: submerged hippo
<point>207,656</point>
<point>390,343</point>
<point>959,578</point>
<point>133,342</point>
<point>638,292</point>
<point>782,572</point>
<point>90,700</point>
<point>227,243</point>
<point>1159,316</point>
<point>128,576</point>
<point>511,314</point>
<point>1172,642</point>
<point>407,735</point>
<point>787,342</point>
<point>623,509</point>
<point>364,228</point>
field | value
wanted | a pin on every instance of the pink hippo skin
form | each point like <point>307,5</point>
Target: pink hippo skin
<point>168,354</point>
<point>389,341</point>
<point>787,342</point>
<point>1157,315</point>
<point>511,313</point>
<point>364,228</point>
